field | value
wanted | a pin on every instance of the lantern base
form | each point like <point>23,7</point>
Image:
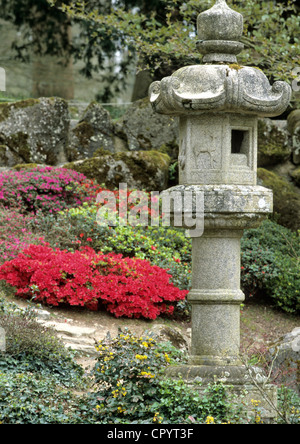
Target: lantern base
<point>243,384</point>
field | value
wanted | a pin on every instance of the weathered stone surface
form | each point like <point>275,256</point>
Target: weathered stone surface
<point>286,198</point>
<point>286,359</point>
<point>273,142</point>
<point>225,88</point>
<point>296,176</point>
<point>146,170</point>
<point>174,335</point>
<point>69,330</point>
<point>293,125</point>
<point>95,130</point>
<point>146,130</point>
<point>34,131</point>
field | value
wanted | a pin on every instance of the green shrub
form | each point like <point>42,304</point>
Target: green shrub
<point>131,386</point>
<point>35,398</point>
<point>271,265</point>
<point>35,347</point>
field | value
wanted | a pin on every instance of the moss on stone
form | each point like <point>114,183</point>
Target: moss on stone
<point>171,149</point>
<point>25,166</point>
<point>101,152</point>
<point>84,131</point>
<point>296,176</point>
<point>18,144</point>
<point>286,199</point>
<point>111,169</point>
<point>272,145</point>
<point>6,107</point>
<point>94,168</point>
<point>235,66</point>
<point>144,163</point>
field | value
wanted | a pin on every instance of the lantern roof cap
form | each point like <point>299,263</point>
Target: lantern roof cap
<point>220,29</point>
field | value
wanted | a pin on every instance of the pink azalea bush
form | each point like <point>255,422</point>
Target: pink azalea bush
<point>16,233</point>
<point>44,188</point>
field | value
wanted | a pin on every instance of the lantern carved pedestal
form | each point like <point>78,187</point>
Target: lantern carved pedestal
<point>218,105</point>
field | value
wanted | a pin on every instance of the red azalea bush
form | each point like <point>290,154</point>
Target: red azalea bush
<point>127,287</point>
<point>45,189</point>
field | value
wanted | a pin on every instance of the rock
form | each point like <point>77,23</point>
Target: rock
<point>41,314</point>
<point>143,170</point>
<point>273,142</point>
<point>145,129</point>
<point>95,130</point>
<point>293,126</point>
<point>85,346</point>
<point>70,330</point>
<point>296,176</point>
<point>173,335</point>
<point>34,131</point>
<point>286,359</point>
<point>286,198</point>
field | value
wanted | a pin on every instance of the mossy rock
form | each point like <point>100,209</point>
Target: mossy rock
<point>296,176</point>
<point>95,130</point>
<point>7,108</point>
<point>293,121</point>
<point>26,166</point>
<point>273,143</point>
<point>143,170</point>
<point>145,129</point>
<point>34,131</point>
<point>286,199</point>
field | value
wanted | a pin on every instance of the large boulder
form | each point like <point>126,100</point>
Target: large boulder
<point>144,129</point>
<point>273,142</point>
<point>34,131</point>
<point>286,198</point>
<point>95,130</point>
<point>143,170</point>
<point>286,360</point>
<point>293,125</point>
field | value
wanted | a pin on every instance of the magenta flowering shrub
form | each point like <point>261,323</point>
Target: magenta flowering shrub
<point>16,233</point>
<point>44,188</point>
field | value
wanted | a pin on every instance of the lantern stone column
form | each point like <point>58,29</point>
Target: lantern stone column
<point>218,104</point>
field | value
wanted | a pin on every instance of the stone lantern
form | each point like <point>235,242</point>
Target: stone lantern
<point>218,104</point>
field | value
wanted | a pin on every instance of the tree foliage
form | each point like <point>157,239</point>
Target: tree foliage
<point>160,34</point>
<point>163,34</point>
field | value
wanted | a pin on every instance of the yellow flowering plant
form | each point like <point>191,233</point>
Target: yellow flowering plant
<point>127,372</point>
<point>131,385</point>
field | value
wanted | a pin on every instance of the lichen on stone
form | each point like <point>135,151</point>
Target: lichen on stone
<point>286,199</point>
<point>273,147</point>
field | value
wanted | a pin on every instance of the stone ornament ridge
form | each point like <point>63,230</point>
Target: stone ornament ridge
<point>214,88</point>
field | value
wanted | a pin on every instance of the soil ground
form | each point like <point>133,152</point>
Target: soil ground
<point>261,324</point>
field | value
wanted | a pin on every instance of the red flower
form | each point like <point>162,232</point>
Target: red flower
<point>153,248</point>
<point>81,235</point>
<point>89,239</point>
<point>127,287</point>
